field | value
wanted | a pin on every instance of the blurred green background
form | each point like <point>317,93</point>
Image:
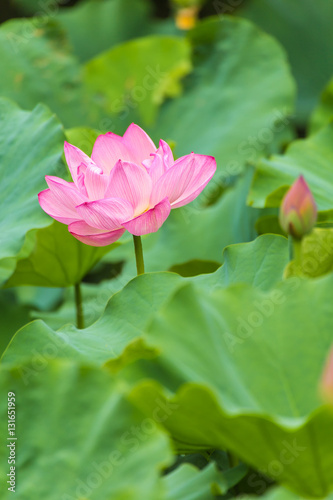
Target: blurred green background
<point>237,79</point>
<point>247,81</point>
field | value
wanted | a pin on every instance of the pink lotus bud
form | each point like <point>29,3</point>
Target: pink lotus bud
<point>298,211</point>
<point>326,384</point>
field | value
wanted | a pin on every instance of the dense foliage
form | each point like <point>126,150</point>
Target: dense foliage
<point>199,379</point>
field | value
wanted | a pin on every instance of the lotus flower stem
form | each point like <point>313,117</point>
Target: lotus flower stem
<point>140,266</point>
<point>79,307</point>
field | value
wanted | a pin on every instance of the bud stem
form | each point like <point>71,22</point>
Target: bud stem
<point>295,252</point>
<point>297,247</point>
<point>140,266</point>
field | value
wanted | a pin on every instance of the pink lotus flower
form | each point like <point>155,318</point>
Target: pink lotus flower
<point>126,184</point>
<point>298,211</point>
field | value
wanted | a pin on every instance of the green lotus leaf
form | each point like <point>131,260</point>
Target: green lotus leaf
<point>323,113</point>
<point>94,298</point>
<point>116,338</point>
<point>142,73</point>
<point>280,493</point>
<point>236,102</point>
<point>78,436</point>
<point>31,145</point>
<point>188,483</point>
<point>30,7</point>
<point>56,258</point>
<point>13,316</point>
<point>295,25</point>
<point>108,337</point>
<point>245,366</point>
<point>41,68</point>
<point>95,26</point>
<point>316,255</point>
<point>83,138</point>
